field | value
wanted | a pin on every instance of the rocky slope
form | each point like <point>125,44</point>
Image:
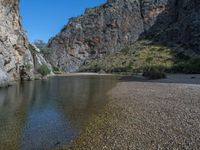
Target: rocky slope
<point>15,56</point>
<point>117,23</point>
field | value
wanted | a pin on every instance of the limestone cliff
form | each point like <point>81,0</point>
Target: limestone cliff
<point>117,23</point>
<point>16,60</point>
<point>13,42</point>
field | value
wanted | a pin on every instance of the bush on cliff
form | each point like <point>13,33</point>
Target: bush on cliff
<point>125,50</point>
<point>136,57</point>
<point>44,70</point>
<point>28,67</point>
<point>57,70</point>
<point>43,47</point>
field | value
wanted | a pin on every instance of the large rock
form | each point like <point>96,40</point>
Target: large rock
<point>118,23</point>
<point>14,51</point>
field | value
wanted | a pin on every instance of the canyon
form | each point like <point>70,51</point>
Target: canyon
<point>119,110</point>
<point>100,31</point>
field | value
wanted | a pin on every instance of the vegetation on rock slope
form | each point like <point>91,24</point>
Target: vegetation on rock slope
<point>147,58</point>
<point>44,70</point>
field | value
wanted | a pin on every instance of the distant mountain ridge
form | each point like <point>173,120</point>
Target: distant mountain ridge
<point>117,23</point>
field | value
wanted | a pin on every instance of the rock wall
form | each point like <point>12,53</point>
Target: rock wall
<point>118,23</point>
<point>14,51</point>
<point>100,30</point>
<point>185,30</point>
<point>18,58</point>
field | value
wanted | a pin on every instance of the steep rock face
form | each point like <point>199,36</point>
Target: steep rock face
<point>100,30</point>
<point>186,29</point>
<point>178,24</point>
<point>118,23</point>
<point>104,29</point>
<point>13,42</point>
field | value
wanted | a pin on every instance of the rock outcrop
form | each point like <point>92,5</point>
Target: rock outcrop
<point>38,58</point>
<point>16,60</point>
<point>14,51</point>
<point>117,23</point>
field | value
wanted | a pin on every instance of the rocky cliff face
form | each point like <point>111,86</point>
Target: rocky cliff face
<point>118,23</point>
<point>14,51</point>
<point>38,58</point>
<point>179,24</point>
<point>100,30</point>
<point>18,60</point>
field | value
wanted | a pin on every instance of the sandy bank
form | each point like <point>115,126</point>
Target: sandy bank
<point>85,74</point>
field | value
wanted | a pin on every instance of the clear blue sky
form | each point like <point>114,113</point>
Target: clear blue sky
<point>43,19</point>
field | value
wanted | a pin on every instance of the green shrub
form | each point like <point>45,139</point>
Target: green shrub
<point>125,50</point>
<point>44,70</point>
<point>43,47</point>
<point>194,65</point>
<point>95,69</point>
<point>191,66</point>
<point>181,56</point>
<point>154,72</point>
<point>31,49</point>
<point>56,69</point>
<point>120,69</point>
<point>28,67</point>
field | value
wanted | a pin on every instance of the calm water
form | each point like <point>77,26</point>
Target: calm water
<point>42,115</point>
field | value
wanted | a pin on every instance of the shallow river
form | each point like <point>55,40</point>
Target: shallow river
<point>46,114</point>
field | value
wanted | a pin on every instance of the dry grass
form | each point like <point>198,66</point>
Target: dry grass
<point>133,59</point>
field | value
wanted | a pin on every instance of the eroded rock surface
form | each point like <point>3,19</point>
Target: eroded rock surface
<point>14,51</point>
<point>16,59</point>
<point>117,23</point>
<point>100,30</point>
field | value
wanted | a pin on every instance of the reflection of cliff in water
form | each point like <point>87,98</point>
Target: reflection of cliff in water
<point>14,104</point>
<point>82,96</point>
<point>49,113</point>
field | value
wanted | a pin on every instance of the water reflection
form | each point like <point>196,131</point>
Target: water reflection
<point>48,128</point>
<point>47,114</point>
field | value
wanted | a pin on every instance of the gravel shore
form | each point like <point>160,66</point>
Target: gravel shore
<point>146,115</point>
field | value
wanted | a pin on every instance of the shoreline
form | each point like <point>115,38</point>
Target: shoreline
<point>178,78</point>
<point>87,74</point>
<point>5,84</point>
<point>147,115</point>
